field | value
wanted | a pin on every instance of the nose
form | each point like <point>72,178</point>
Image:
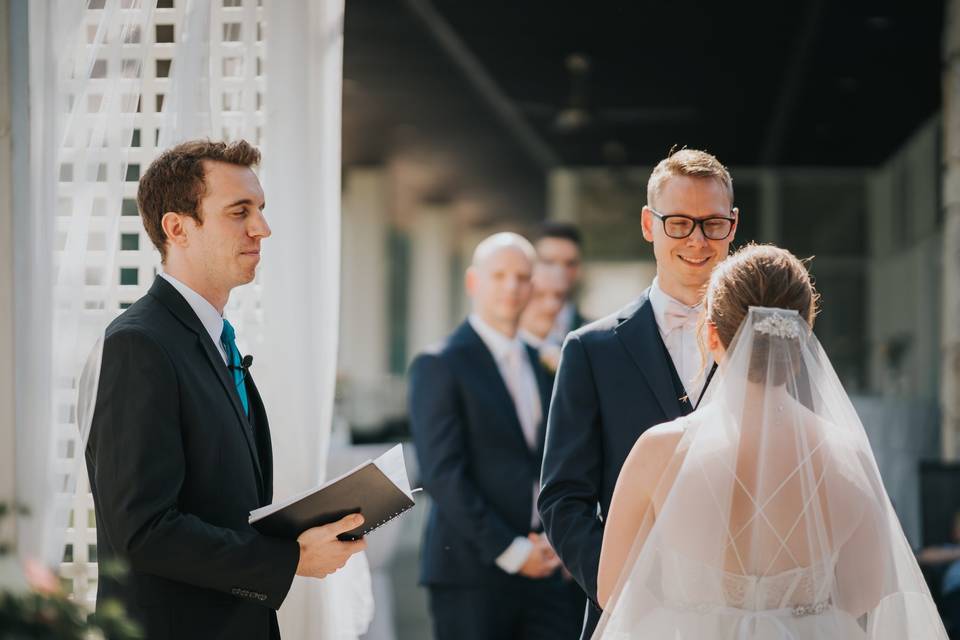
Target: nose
<point>258,227</point>
<point>697,239</point>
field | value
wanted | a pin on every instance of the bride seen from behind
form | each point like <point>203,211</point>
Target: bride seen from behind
<point>762,514</point>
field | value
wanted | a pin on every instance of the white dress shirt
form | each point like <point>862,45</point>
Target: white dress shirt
<point>210,318</point>
<point>678,328</point>
<point>563,324</point>
<point>513,362</point>
<point>532,340</point>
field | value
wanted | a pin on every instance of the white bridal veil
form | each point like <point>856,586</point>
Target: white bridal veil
<point>771,521</point>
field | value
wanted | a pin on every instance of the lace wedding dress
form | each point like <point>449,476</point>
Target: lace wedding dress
<point>771,522</point>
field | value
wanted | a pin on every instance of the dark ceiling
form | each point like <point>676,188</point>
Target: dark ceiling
<point>759,83</point>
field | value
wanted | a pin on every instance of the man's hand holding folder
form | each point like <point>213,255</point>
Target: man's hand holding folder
<point>322,553</point>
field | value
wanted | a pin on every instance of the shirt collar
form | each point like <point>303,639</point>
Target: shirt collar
<point>660,299</point>
<point>531,339</point>
<point>498,344</point>
<point>209,317</point>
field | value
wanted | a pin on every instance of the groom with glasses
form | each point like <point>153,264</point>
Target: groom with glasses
<point>636,368</point>
<point>179,450</point>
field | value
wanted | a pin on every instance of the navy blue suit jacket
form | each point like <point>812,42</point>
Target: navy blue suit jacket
<point>615,381</point>
<point>474,460</point>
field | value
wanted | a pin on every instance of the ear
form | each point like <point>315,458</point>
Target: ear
<point>736,222</point>
<point>470,280</point>
<point>713,338</point>
<point>646,223</point>
<point>174,228</point>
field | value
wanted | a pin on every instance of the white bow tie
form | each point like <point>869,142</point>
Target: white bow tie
<point>679,316</point>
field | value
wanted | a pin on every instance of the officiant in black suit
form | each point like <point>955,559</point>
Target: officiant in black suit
<point>636,368</point>
<point>477,408</point>
<point>179,450</point>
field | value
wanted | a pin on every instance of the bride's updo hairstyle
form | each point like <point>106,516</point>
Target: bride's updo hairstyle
<point>758,276</point>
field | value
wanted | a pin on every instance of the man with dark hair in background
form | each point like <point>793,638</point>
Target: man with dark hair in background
<point>179,450</point>
<point>550,292</point>
<point>559,247</point>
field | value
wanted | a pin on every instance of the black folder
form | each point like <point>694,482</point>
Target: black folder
<point>365,490</point>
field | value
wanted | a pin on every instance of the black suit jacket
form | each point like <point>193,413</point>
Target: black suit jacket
<point>175,467</point>
<point>474,460</point>
<point>615,381</point>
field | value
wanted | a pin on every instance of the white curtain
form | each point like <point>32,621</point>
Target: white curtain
<point>84,82</point>
<point>301,285</point>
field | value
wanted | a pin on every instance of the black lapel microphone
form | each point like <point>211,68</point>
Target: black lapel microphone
<point>245,363</point>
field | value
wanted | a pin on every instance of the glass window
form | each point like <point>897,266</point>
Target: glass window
<point>129,276</point>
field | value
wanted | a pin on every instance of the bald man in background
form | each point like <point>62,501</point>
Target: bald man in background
<point>478,403</point>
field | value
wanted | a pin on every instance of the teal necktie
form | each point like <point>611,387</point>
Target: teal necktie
<point>229,339</point>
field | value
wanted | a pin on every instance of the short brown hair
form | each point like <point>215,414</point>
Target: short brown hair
<point>757,276</point>
<point>692,163</point>
<point>175,182</point>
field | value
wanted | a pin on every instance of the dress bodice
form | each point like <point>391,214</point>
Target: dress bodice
<point>687,581</point>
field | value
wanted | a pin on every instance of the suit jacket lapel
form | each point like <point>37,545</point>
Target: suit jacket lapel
<point>264,443</point>
<point>640,336</point>
<point>171,298</point>
<point>484,366</point>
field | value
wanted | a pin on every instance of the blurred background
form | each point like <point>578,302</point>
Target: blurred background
<point>461,119</point>
<point>839,121</point>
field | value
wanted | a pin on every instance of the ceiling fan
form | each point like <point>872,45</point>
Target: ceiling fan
<point>578,114</point>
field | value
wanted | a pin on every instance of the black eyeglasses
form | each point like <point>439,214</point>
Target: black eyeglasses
<point>679,226</point>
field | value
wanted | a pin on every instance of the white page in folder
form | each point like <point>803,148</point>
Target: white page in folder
<point>391,464</point>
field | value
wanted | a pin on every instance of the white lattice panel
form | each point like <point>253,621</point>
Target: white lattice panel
<point>105,260</point>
